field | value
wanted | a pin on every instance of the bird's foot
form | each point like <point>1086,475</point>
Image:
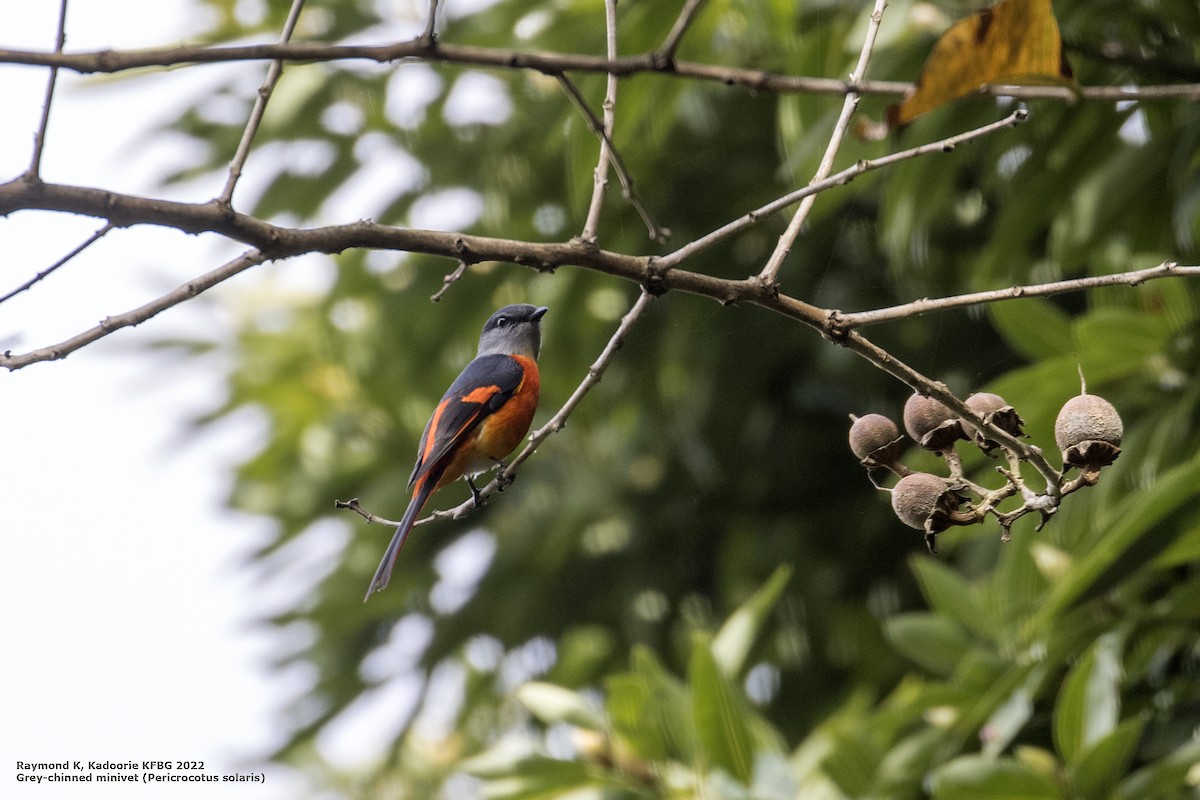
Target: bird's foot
<point>475,496</point>
<point>502,479</point>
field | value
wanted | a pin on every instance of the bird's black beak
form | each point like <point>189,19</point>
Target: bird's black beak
<point>538,313</point>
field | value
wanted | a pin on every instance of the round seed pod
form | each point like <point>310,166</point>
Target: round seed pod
<point>1088,431</point>
<point>916,497</point>
<point>930,504</point>
<point>931,424</point>
<point>876,441</point>
<point>870,432</point>
<point>994,409</point>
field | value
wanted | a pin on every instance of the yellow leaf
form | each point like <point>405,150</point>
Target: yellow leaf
<point>1013,42</point>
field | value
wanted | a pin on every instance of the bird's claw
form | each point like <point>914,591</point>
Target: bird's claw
<point>503,479</point>
<point>475,496</point>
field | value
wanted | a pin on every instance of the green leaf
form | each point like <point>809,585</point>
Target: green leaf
<point>1096,772</point>
<point>1164,777</point>
<point>1034,327</point>
<point>950,595</point>
<point>502,758</point>
<point>976,777</point>
<point>909,760</point>
<point>732,644</point>
<point>1007,721</point>
<point>1184,601</point>
<point>1144,511</point>
<point>934,642</point>
<point>852,761</point>
<point>552,704</point>
<point>1016,585</point>
<point>538,777</point>
<point>1184,550</point>
<point>721,715</point>
<point>650,710</point>
<point>1089,702</point>
<point>1115,342</point>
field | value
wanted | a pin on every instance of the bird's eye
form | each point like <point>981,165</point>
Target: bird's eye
<point>501,322</point>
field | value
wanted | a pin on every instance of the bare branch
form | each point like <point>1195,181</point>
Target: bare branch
<point>1167,269</point>
<point>550,63</point>
<point>448,281</point>
<point>770,272</point>
<point>135,317</point>
<point>277,242</point>
<point>39,137</point>
<point>666,52</point>
<point>260,108</point>
<point>837,179</point>
<point>657,233</point>
<point>95,237</point>
<point>282,242</point>
<point>430,33</point>
<point>600,181</point>
<point>372,519</point>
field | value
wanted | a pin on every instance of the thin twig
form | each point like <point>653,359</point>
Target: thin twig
<point>554,425</point>
<point>430,33</point>
<point>260,108</point>
<point>600,178</point>
<point>449,280</point>
<point>837,179</point>
<point>138,315</point>
<point>39,137</point>
<point>666,51</point>
<point>95,237</point>
<point>657,233</point>
<point>372,519</point>
<point>1166,269</point>
<point>770,272</point>
<point>552,63</point>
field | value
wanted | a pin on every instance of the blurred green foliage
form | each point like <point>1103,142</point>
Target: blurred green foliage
<point>617,624</point>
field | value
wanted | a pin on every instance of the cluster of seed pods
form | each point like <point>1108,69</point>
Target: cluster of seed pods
<point>1087,431</point>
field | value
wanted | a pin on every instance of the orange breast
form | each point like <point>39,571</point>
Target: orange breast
<point>499,433</point>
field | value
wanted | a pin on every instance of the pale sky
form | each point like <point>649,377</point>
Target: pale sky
<point>126,603</point>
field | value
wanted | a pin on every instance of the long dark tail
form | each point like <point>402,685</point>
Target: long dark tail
<point>384,572</point>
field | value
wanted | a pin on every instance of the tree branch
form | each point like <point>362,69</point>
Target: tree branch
<point>430,33</point>
<point>770,272</point>
<point>1167,269</point>
<point>666,51</point>
<point>655,231</point>
<point>137,316</point>
<point>600,180</point>
<point>260,108</point>
<point>276,242</point>
<point>837,179</point>
<point>122,210</point>
<point>95,237</point>
<point>550,63</point>
<point>39,136</point>
<point>449,280</point>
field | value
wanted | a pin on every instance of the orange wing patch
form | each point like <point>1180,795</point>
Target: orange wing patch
<point>431,437</point>
<point>480,394</point>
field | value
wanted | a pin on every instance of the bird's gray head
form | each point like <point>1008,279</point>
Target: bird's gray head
<point>513,330</point>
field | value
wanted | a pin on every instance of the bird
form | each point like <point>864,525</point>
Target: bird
<point>480,419</point>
